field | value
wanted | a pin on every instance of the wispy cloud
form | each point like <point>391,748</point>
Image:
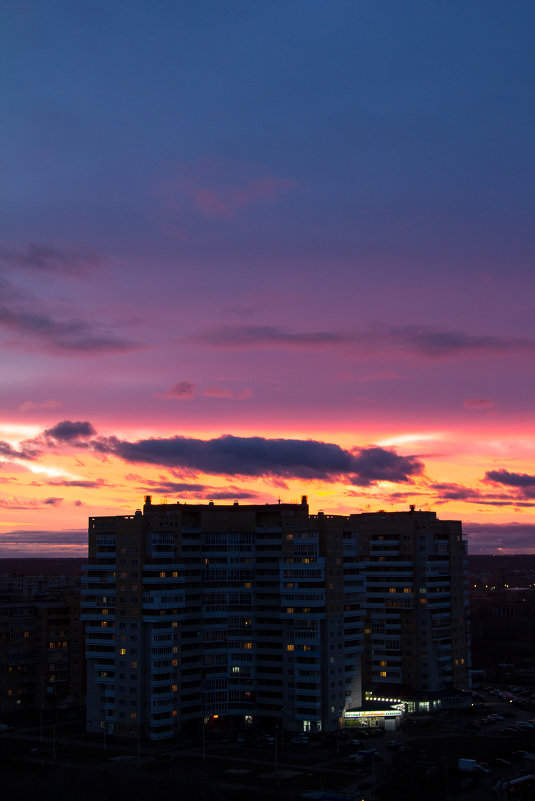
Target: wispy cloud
<point>185,390</point>
<point>426,342</point>
<point>31,406</point>
<point>83,483</point>
<point>28,450</point>
<point>70,338</point>
<point>225,393</point>
<point>479,404</point>
<point>216,191</point>
<point>50,259</point>
<point>457,492</point>
<point>18,504</point>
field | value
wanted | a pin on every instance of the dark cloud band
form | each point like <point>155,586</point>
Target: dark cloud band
<point>257,456</point>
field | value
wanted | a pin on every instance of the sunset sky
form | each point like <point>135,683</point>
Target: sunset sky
<point>251,251</point>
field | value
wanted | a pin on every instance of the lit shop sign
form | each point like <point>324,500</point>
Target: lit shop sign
<point>380,714</point>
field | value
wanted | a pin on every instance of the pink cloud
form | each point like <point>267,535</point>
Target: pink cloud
<point>225,202</point>
<point>30,406</point>
<point>225,392</point>
<point>216,191</point>
<point>479,404</point>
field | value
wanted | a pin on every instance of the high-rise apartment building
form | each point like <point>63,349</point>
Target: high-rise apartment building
<point>256,612</point>
<point>416,631</point>
<point>199,610</point>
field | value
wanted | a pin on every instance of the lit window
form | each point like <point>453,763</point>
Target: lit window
<point>391,589</point>
<point>383,674</point>
<point>174,688</point>
<point>289,610</point>
<point>382,663</point>
<point>290,647</point>
<point>162,574</point>
<point>122,651</point>
<point>133,716</point>
<point>174,662</point>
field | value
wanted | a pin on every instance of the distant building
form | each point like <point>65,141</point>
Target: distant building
<point>41,648</point>
<point>257,613</point>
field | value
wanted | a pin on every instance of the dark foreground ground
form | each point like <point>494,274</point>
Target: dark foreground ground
<point>64,764</point>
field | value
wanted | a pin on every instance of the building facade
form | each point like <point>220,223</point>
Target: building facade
<point>256,613</point>
<point>417,625</point>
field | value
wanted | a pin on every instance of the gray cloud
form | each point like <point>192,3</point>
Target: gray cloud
<point>48,259</point>
<point>28,451</point>
<point>378,464</point>
<point>418,340</point>
<point>53,501</point>
<point>457,492</point>
<point>68,431</point>
<point>74,337</point>
<point>523,483</point>
<point>510,479</point>
<point>257,456</point>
